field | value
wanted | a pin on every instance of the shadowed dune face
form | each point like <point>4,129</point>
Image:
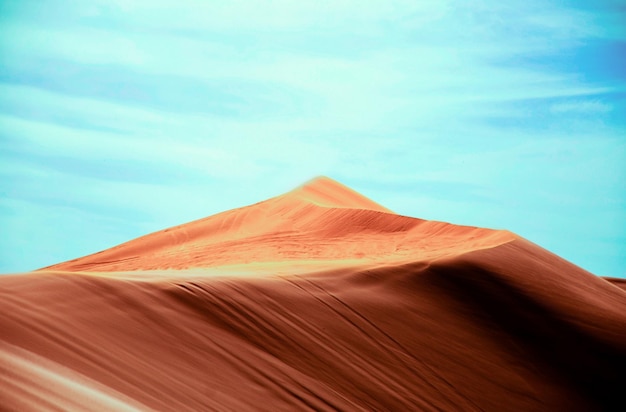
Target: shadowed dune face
<point>343,306</point>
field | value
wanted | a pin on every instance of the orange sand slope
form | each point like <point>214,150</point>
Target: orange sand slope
<point>343,306</point>
<point>321,220</point>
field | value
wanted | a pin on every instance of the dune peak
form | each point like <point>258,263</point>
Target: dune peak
<point>327,192</point>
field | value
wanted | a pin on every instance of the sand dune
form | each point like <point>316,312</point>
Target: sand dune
<point>319,299</point>
<point>321,220</point>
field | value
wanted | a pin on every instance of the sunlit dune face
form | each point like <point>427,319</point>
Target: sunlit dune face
<point>320,221</point>
<point>326,192</point>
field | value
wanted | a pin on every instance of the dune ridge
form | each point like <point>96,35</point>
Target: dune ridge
<point>320,220</point>
<point>343,306</point>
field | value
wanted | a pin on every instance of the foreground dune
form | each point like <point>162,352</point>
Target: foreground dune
<point>319,299</point>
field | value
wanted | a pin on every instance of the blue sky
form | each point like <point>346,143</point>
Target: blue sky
<point>119,118</point>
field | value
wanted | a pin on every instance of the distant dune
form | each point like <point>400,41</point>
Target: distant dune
<point>319,299</point>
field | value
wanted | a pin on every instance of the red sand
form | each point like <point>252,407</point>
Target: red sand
<point>319,299</point>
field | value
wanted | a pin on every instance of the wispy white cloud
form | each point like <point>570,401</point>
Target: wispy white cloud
<point>589,106</point>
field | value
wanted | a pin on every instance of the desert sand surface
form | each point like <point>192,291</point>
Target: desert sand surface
<point>319,299</point>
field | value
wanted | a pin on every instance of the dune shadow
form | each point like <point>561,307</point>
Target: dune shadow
<point>555,345</point>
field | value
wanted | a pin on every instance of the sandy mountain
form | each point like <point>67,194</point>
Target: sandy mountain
<point>319,299</point>
<point>319,221</point>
